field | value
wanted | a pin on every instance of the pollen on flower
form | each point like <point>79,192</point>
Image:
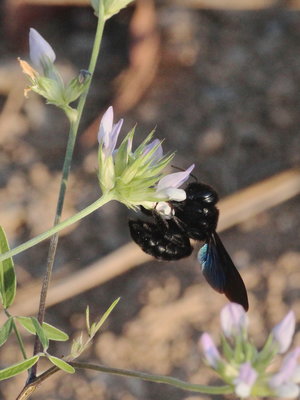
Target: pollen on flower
<point>28,70</point>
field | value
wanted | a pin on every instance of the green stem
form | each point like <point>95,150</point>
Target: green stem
<point>17,333</point>
<point>57,228</point>
<point>54,238</point>
<point>167,380</point>
<point>65,175</point>
<point>92,66</point>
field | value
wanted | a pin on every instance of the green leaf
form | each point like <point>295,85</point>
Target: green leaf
<point>87,319</point>
<point>27,324</point>
<point>5,331</point>
<point>104,317</point>
<point>18,368</point>
<point>41,334</point>
<point>54,333</point>
<point>61,364</point>
<point>50,331</point>
<point>7,274</point>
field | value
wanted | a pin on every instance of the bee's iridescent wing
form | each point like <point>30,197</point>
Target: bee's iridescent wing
<point>220,272</point>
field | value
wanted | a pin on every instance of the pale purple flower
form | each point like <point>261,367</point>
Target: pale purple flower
<point>245,380</point>
<point>40,50</point>
<point>108,132</point>
<point>233,319</point>
<point>169,184</point>
<point>210,350</point>
<point>284,331</point>
<point>158,153</point>
<point>288,370</point>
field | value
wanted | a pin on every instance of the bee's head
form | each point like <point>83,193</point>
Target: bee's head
<point>201,192</point>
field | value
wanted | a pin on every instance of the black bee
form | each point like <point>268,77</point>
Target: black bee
<point>167,237</point>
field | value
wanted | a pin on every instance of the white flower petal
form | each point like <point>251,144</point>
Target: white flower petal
<point>171,194</point>
<point>287,370</point>
<point>164,209</point>
<point>39,49</point>
<point>242,390</point>
<point>174,180</point>
<point>106,125</point>
<point>284,331</point>
<point>288,391</point>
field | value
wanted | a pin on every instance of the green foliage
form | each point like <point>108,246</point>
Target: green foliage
<point>94,328</point>
<point>79,345</point>
<point>5,331</point>
<point>7,274</point>
<point>50,331</point>
<point>41,334</point>
<point>18,368</point>
<point>61,364</point>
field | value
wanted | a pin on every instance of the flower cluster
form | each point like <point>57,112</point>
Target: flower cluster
<point>44,78</point>
<point>135,177</point>
<point>248,370</point>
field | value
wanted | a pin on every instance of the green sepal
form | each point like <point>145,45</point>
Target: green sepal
<point>123,154</point>
<point>106,173</point>
<point>142,162</point>
<point>226,348</point>
<point>75,88</point>
<point>108,8</point>
<point>139,150</point>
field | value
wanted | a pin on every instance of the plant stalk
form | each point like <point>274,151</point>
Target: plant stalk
<point>167,380</point>
<point>65,175</point>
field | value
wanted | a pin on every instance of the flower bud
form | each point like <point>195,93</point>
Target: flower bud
<point>284,331</point>
<point>211,353</point>
<point>41,53</point>
<point>46,80</point>
<point>245,380</point>
<point>233,320</point>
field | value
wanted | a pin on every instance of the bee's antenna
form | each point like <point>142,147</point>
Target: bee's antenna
<point>181,169</point>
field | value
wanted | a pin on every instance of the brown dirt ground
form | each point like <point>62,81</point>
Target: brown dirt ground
<point>226,96</point>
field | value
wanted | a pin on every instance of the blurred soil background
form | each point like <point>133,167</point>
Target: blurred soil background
<point>222,87</point>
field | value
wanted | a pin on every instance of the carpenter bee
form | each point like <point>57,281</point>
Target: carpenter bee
<point>166,236</point>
